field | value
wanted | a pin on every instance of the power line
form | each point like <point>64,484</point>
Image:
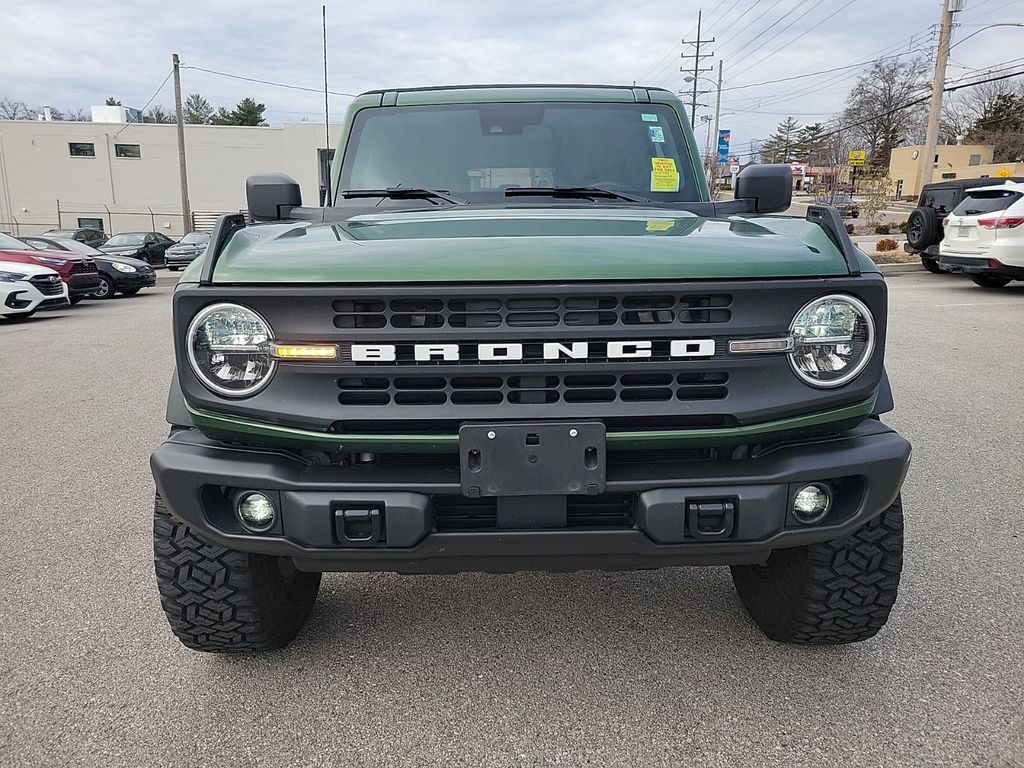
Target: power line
<point>317,91</point>
<point>827,17</point>
<point>151,99</point>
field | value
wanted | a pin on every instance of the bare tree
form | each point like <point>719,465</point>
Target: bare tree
<point>877,114</point>
<point>13,109</point>
<point>159,114</point>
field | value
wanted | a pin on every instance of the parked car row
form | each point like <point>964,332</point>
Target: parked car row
<point>51,272</point>
<point>974,226</point>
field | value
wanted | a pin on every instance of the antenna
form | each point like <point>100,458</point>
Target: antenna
<point>327,115</point>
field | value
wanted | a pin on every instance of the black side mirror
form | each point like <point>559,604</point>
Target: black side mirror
<point>770,187</point>
<point>271,196</point>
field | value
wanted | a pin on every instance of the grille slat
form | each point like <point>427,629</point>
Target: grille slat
<point>534,311</point>
<point>521,389</point>
<point>45,286</point>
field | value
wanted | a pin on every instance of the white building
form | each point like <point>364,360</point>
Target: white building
<point>125,176</point>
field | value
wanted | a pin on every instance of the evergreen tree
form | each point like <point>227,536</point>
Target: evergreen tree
<point>196,110</point>
<point>247,112</point>
<point>112,102</point>
<point>783,146</point>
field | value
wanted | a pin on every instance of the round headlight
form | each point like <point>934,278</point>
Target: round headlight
<point>833,338</point>
<point>229,349</point>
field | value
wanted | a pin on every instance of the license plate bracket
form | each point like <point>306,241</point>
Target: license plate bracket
<point>533,459</point>
<point>963,231</point>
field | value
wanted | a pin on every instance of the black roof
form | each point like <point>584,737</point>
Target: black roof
<point>963,184</point>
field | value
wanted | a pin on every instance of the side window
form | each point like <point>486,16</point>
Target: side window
<point>942,200</point>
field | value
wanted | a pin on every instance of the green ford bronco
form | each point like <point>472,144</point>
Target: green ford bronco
<point>520,335</point>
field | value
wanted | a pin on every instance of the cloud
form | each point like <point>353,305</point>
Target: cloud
<point>73,54</point>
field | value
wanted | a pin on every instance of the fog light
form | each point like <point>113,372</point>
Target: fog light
<point>811,503</point>
<point>256,511</point>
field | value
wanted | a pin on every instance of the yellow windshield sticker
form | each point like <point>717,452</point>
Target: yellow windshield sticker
<point>659,226</point>
<point>664,175</point>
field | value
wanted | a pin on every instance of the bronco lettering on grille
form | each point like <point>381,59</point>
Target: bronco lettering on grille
<point>514,351</point>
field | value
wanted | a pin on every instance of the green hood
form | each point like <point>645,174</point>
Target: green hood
<point>486,244</point>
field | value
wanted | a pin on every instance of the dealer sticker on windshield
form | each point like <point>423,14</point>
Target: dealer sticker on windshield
<point>657,134</point>
<point>649,118</point>
<point>664,175</point>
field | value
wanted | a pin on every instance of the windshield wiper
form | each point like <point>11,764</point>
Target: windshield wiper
<point>398,193</point>
<point>579,192</point>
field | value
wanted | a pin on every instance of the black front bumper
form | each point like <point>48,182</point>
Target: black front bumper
<point>126,281</point>
<point>83,285</point>
<point>424,527</point>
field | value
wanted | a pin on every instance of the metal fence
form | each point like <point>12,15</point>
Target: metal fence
<point>114,220</point>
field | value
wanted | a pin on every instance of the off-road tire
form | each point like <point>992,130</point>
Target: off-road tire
<point>990,281</point>
<point>932,265</point>
<point>835,592</point>
<point>923,228</point>
<point>225,601</point>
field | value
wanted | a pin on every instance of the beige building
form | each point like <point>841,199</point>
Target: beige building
<point>125,176</point>
<point>952,161</point>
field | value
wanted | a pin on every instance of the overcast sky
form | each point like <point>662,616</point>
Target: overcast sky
<point>70,54</point>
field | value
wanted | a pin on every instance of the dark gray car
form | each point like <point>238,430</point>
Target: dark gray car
<point>186,250</point>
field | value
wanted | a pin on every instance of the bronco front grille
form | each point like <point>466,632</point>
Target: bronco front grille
<point>532,389</point>
<point>533,311</point>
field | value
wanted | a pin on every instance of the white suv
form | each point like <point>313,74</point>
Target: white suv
<point>26,289</point>
<point>984,235</point>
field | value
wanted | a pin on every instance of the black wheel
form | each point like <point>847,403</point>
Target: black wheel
<point>922,228</point>
<point>990,281</point>
<point>839,591</point>
<point>932,265</point>
<point>130,291</point>
<point>106,289</point>
<point>224,601</point>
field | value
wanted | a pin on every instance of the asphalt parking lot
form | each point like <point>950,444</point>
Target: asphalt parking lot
<point>634,669</point>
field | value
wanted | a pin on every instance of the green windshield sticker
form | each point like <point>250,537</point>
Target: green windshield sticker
<point>657,134</point>
<point>649,118</point>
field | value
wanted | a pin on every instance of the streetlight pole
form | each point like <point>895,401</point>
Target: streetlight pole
<point>927,161</point>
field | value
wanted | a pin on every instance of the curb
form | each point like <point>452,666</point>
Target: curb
<point>900,269</point>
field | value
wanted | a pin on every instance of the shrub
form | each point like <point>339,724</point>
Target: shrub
<point>903,227</point>
<point>849,229</point>
<point>886,244</point>
<point>883,229</point>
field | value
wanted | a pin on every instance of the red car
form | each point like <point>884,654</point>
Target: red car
<point>78,272</point>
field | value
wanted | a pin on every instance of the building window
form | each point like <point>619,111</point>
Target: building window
<point>975,160</point>
<point>949,175</point>
<point>899,188</point>
<point>90,224</point>
<point>127,150</point>
<point>81,149</point>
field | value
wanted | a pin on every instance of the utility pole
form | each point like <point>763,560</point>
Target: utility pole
<point>718,112</point>
<point>696,56</point>
<point>186,210</point>
<point>927,160</point>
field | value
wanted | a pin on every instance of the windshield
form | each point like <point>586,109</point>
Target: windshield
<point>13,243</point>
<point>195,238</point>
<point>477,151</point>
<point>131,238</point>
<point>986,201</point>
